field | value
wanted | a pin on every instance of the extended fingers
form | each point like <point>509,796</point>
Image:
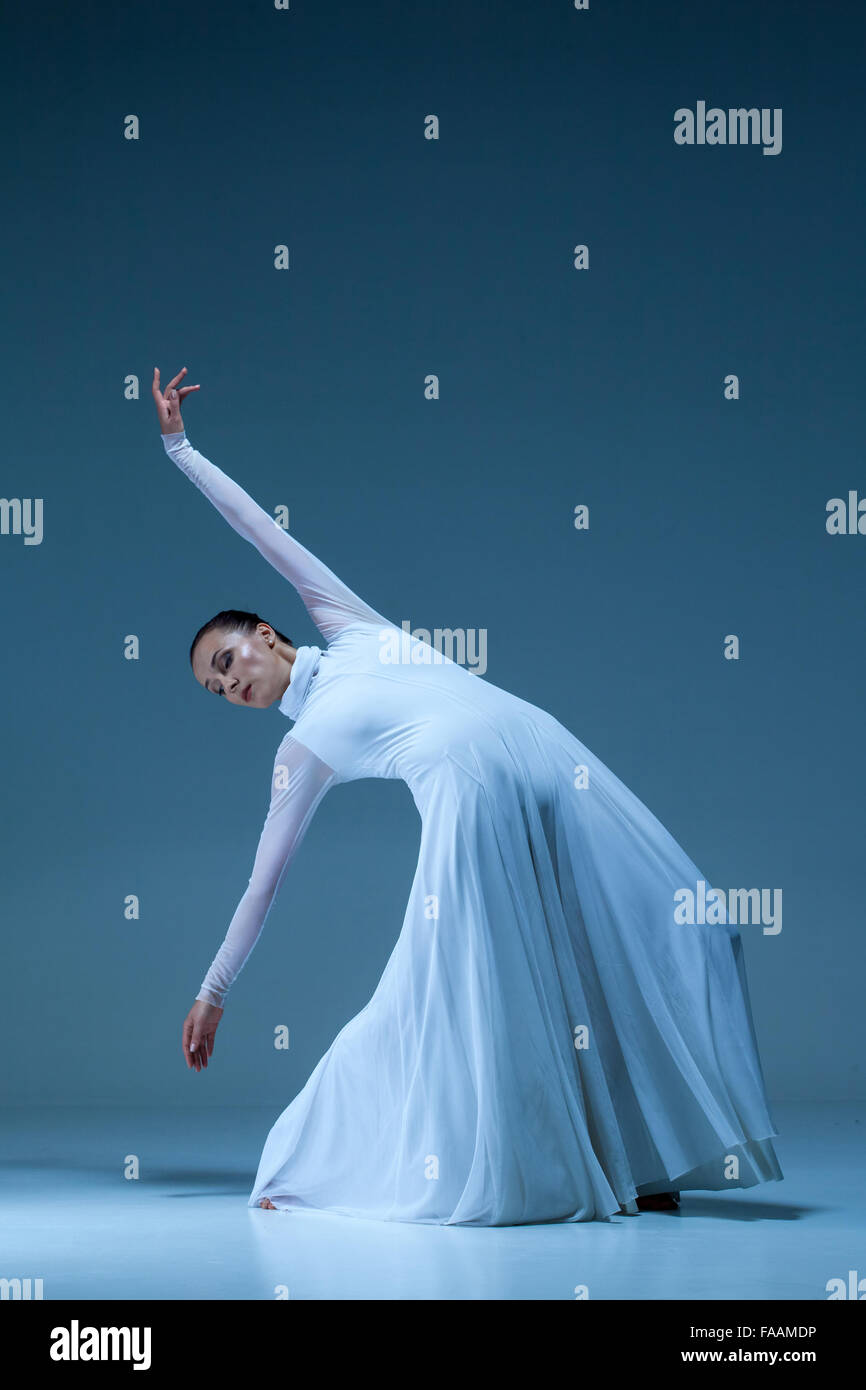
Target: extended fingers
<point>198,1050</point>
<point>185,1042</point>
<point>198,1044</point>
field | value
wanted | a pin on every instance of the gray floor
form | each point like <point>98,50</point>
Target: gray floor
<point>182,1229</point>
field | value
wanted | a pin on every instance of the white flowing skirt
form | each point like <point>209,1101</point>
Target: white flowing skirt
<point>546,1041</point>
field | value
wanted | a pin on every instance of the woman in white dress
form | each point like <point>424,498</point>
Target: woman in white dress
<point>547,1042</point>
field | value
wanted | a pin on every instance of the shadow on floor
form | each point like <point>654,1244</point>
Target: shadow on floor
<point>735,1209</point>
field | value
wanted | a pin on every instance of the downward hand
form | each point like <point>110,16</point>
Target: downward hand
<point>199,1031</point>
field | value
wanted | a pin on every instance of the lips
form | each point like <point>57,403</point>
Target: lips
<point>245,695</point>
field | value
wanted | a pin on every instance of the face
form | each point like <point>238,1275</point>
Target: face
<point>250,669</point>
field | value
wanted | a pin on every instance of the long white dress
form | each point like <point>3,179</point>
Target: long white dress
<point>546,1042</point>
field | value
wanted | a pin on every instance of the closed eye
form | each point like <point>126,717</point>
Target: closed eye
<point>227,661</point>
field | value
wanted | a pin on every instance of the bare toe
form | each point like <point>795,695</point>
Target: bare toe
<point>266,1203</point>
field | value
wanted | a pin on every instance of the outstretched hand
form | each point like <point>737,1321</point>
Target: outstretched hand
<point>168,405</point>
<point>199,1031</point>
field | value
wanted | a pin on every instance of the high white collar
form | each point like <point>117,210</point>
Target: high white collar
<point>304,667</point>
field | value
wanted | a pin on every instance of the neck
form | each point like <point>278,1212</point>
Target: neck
<point>287,654</point>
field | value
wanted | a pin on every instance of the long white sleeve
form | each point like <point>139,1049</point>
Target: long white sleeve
<point>300,780</point>
<point>331,604</point>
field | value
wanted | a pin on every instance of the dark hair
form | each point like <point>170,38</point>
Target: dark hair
<point>234,620</point>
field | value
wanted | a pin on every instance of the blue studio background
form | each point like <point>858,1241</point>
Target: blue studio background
<point>408,257</point>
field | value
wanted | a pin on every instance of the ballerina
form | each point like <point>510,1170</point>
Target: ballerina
<point>546,1042</point>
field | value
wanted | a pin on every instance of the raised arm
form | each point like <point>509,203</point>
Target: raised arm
<point>299,782</point>
<point>331,604</point>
